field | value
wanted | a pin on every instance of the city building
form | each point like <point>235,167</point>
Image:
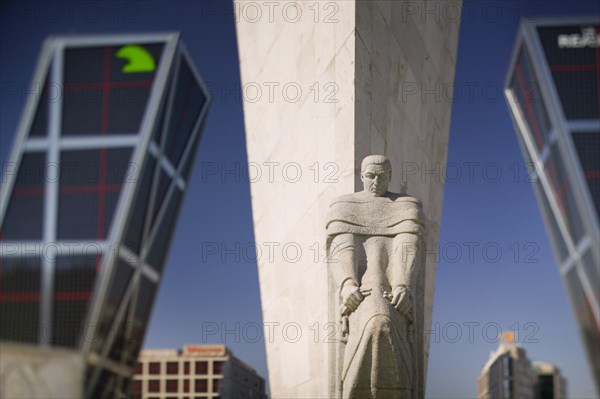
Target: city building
<point>548,381</point>
<point>197,371</point>
<point>367,78</point>
<point>507,373</point>
<point>89,202</point>
<point>553,91</point>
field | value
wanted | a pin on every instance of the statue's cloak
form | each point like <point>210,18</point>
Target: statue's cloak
<point>362,214</point>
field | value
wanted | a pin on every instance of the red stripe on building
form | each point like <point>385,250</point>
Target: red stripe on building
<point>574,68</point>
<point>20,297</point>
<point>66,296</point>
<point>90,189</point>
<point>111,85</point>
<point>592,174</point>
<point>28,191</point>
<point>72,296</point>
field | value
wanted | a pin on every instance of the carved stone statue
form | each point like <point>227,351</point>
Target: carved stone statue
<point>375,242</point>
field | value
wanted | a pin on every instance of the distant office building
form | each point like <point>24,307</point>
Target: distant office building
<point>553,91</point>
<point>548,381</point>
<point>197,371</point>
<point>507,373</point>
<point>89,202</point>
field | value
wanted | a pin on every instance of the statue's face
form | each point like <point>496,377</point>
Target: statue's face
<point>376,179</point>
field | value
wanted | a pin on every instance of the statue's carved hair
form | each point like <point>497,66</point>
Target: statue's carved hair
<point>376,160</point>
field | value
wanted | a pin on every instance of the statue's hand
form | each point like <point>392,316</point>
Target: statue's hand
<point>352,296</point>
<point>402,300</point>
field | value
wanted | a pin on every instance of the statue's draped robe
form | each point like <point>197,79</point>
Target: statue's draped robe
<point>377,243</point>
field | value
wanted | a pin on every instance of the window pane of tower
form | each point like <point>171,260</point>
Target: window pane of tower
<point>90,184</point>
<point>102,93</point>
<point>189,101</point>
<point>20,298</point>
<point>25,211</point>
<point>74,280</point>
<point>588,149</point>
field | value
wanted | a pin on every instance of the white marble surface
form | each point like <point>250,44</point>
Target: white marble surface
<point>365,62</point>
<point>31,372</point>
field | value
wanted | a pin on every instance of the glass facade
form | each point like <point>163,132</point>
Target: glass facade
<point>553,86</point>
<point>88,207</point>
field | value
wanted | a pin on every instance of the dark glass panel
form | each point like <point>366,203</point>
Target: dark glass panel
<point>189,161</point>
<point>217,367</point>
<point>172,367</point>
<point>74,280</point>
<point>20,298</point>
<point>578,93</point>
<point>563,193</point>
<point>25,212</point>
<point>163,185</point>
<point>201,367</point>
<point>105,386</point>
<point>201,385</point>
<point>126,109</point>
<point>588,149</point>
<point>554,231</point>
<point>544,387</point>
<point>100,96</point>
<point>158,250</point>
<point>78,217</point>
<point>83,111</point>
<point>39,126</point>
<point>121,348</point>
<point>90,186</point>
<point>137,389</point>
<point>573,65</point>
<point>92,167</point>
<point>154,386</point>
<point>216,385</point>
<point>188,102</point>
<point>585,317</point>
<point>146,291</point>
<point>186,368</point>
<point>133,235</point>
<point>154,368</point>
<point>119,282</point>
<point>172,386</point>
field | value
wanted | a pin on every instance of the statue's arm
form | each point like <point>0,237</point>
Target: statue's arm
<point>408,259</point>
<point>343,265</point>
<point>342,260</point>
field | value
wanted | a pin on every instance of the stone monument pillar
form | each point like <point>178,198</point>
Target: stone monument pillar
<point>325,84</point>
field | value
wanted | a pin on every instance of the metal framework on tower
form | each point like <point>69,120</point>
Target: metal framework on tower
<point>91,194</point>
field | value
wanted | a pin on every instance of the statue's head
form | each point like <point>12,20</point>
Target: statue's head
<point>376,173</point>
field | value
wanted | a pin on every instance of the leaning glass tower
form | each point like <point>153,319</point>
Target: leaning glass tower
<point>553,91</point>
<point>90,197</point>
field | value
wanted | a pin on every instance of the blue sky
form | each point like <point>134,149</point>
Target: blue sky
<point>518,288</point>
